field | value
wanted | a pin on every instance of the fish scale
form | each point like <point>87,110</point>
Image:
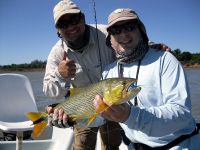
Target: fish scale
<point>81,104</point>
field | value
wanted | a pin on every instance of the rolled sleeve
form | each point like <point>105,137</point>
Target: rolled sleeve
<point>133,117</point>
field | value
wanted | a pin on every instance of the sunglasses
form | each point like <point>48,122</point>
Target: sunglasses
<point>117,29</point>
<point>65,23</point>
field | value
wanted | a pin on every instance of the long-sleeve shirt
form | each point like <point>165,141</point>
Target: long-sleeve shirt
<point>88,64</point>
<point>164,106</point>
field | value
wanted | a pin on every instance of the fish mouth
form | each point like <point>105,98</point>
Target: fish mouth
<point>131,86</point>
<point>132,89</point>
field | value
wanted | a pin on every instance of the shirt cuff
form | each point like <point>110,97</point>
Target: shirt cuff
<point>63,83</point>
<point>133,117</point>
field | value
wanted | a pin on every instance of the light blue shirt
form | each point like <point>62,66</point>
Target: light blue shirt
<point>164,106</point>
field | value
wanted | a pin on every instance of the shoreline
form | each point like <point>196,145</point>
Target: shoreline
<point>21,70</point>
<point>196,66</point>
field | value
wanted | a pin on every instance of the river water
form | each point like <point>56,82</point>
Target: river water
<point>193,76</point>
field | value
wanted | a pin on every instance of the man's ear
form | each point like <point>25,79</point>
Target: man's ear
<point>83,17</point>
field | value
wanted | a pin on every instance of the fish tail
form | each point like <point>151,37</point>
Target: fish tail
<point>40,120</point>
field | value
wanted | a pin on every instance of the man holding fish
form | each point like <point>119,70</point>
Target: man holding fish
<point>74,61</point>
<point>160,116</point>
<point>77,60</point>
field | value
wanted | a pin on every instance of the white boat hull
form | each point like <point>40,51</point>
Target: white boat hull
<point>62,139</point>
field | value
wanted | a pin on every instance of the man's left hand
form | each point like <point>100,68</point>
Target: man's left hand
<point>117,113</point>
<point>160,46</point>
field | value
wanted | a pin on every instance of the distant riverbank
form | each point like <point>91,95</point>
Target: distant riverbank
<point>192,66</point>
<point>22,70</point>
<point>196,66</point>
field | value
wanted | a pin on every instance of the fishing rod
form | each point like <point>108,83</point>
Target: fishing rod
<point>99,51</point>
<point>101,69</point>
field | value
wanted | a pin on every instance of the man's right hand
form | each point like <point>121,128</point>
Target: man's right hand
<point>67,69</point>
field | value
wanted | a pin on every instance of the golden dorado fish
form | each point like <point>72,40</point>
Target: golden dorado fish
<point>80,103</point>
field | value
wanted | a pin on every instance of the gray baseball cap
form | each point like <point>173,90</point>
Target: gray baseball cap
<point>65,7</point>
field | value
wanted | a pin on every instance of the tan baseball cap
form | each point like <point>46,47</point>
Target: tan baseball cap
<point>65,7</point>
<point>121,14</point>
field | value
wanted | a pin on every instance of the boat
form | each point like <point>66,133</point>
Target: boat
<point>17,98</point>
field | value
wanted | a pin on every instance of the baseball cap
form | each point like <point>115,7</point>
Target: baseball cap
<point>121,14</point>
<point>65,7</point>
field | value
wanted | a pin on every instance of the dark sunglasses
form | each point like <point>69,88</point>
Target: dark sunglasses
<point>117,29</point>
<point>65,23</point>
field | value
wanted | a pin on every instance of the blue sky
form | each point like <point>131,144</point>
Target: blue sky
<point>27,29</point>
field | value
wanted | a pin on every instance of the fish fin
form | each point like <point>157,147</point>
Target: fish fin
<point>33,116</point>
<point>112,96</point>
<point>39,128</point>
<point>75,118</point>
<point>39,120</point>
<point>91,119</point>
<point>101,107</point>
<point>74,91</point>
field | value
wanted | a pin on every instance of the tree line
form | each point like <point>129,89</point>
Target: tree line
<point>35,64</point>
<point>186,58</point>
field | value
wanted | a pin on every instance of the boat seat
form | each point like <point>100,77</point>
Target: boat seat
<point>16,98</point>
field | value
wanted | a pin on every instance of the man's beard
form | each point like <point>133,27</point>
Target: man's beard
<point>80,42</point>
<point>129,56</point>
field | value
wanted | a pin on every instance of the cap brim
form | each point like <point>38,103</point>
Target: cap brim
<point>121,19</point>
<point>73,11</point>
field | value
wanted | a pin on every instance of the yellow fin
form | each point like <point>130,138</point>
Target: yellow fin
<point>90,120</point>
<point>74,91</point>
<point>39,120</point>
<point>113,96</point>
<point>101,107</point>
<point>75,117</point>
<point>39,128</point>
<point>33,116</point>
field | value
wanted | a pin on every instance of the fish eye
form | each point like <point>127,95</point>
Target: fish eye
<point>131,87</point>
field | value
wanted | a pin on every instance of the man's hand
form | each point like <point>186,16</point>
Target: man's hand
<point>57,117</point>
<point>117,113</point>
<point>159,46</point>
<point>67,69</point>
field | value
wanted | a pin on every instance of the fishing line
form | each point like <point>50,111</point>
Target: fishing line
<point>97,36</point>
